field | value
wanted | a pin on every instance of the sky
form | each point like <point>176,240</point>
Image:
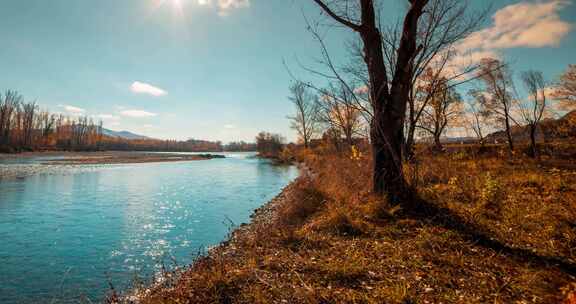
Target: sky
<point>217,69</point>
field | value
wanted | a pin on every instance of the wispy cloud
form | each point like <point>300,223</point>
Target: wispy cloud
<point>72,109</point>
<point>225,6</point>
<point>107,117</point>
<point>229,126</point>
<point>137,113</point>
<point>146,88</point>
<point>109,120</point>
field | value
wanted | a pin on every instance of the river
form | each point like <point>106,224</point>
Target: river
<point>66,231</point>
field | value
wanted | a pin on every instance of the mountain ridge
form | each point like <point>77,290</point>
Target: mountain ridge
<point>123,134</point>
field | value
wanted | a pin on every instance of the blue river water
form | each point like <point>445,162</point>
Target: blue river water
<point>65,233</point>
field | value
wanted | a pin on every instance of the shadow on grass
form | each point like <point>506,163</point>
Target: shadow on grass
<point>428,212</point>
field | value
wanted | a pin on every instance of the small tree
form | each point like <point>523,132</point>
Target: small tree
<point>268,144</point>
<point>499,88</point>
<point>9,105</point>
<point>442,110</point>
<point>338,110</point>
<point>532,111</point>
<point>305,122</point>
<point>475,116</point>
<point>29,112</point>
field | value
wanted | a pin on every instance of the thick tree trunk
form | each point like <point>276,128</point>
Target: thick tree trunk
<point>387,140</point>
<point>387,129</point>
<point>389,102</point>
<point>388,98</point>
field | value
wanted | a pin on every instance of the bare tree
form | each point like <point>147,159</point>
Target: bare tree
<point>476,117</point>
<point>46,125</point>
<point>337,109</point>
<point>500,88</point>
<point>565,90</point>
<point>9,104</point>
<point>388,95</point>
<point>305,122</point>
<point>29,111</point>
<point>442,110</point>
<point>532,111</point>
<point>268,144</point>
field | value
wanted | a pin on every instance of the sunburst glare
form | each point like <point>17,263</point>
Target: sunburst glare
<point>177,5</point>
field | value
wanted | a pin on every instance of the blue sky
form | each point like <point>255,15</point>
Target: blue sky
<point>213,69</point>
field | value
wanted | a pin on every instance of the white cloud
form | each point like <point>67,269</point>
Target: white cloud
<point>229,126</point>
<point>524,24</point>
<point>137,113</point>
<point>146,88</point>
<point>109,120</point>
<point>464,59</point>
<point>107,117</point>
<point>527,24</point>
<point>225,6</point>
<point>72,109</point>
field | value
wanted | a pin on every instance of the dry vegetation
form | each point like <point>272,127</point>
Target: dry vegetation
<point>484,229</point>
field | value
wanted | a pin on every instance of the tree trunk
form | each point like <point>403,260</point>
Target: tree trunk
<point>437,143</point>
<point>349,139</point>
<point>388,99</point>
<point>387,138</point>
<point>387,127</point>
<point>534,150</point>
<point>409,147</point>
<point>509,134</point>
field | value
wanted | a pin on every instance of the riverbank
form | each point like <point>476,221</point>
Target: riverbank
<point>32,163</point>
<point>494,231</point>
<point>113,157</point>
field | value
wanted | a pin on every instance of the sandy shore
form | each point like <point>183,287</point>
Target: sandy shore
<point>13,166</point>
<point>91,158</point>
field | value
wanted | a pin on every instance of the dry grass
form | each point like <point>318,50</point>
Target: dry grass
<point>326,239</point>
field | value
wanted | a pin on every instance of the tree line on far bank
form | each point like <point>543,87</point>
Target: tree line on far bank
<point>26,127</point>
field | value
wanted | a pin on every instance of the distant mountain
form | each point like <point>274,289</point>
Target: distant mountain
<point>562,128</point>
<point>122,134</point>
<point>447,140</point>
<point>464,139</point>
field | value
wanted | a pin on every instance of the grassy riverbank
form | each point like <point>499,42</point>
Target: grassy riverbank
<point>486,229</point>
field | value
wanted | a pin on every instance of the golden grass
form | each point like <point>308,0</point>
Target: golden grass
<point>326,239</point>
